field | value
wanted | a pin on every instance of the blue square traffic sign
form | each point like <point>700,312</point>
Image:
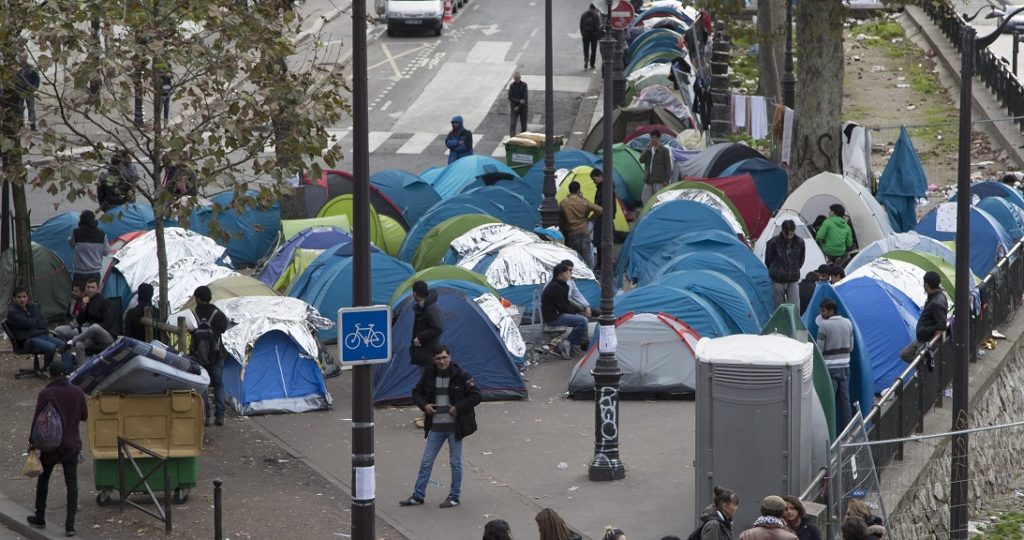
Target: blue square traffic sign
<point>364,335</point>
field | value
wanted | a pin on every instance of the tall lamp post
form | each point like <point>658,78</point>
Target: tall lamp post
<point>959,473</point>
<point>788,78</point>
<point>606,464</point>
<point>549,212</point>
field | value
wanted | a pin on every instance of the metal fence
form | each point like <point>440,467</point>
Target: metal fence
<point>992,70</point>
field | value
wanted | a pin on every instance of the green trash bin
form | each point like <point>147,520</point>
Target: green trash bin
<point>184,472</point>
<point>525,149</point>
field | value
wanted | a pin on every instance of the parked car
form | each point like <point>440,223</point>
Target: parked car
<point>415,15</point>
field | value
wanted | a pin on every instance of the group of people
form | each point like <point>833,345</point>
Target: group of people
<point>550,526</point>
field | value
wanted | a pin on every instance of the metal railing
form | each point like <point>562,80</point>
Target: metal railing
<point>902,407</point>
<point>124,457</point>
<point>992,70</point>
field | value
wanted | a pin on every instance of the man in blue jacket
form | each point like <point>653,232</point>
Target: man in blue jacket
<point>459,140</point>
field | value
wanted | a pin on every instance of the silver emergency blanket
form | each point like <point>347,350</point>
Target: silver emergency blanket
<point>256,315</point>
<point>507,326</point>
<point>662,69</point>
<point>704,197</point>
<point>184,275</point>
<point>526,264</point>
<point>491,237</point>
<point>137,260</point>
<point>902,275</point>
<point>660,96</point>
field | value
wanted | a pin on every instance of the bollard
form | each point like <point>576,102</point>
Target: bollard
<point>218,521</point>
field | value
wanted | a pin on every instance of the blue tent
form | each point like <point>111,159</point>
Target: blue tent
<point>691,308</point>
<point>771,180</point>
<point>658,232</point>
<point>251,230</point>
<point>53,235</point>
<point>278,377</point>
<point>664,36</point>
<point>456,206</point>
<point>327,283</point>
<point>1010,216</point>
<point>989,240</point>
<point>519,210</point>
<point>116,286</point>
<point>988,189</point>
<point>888,318</point>
<point>128,218</point>
<point>475,345</point>
<point>908,241</point>
<point>450,180</point>
<point>862,383</point>
<point>751,277</point>
<point>721,291</point>
<point>517,186</point>
<point>570,159</point>
<point>321,237</point>
<point>902,182</point>
<point>409,192</point>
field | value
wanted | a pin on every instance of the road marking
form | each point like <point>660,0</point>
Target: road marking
<point>417,143</point>
<point>390,59</point>
<point>375,139</point>
<point>385,106</point>
<point>534,33</point>
<point>447,94</point>
<point>488,51</point>
<point>517,57</point>
<point>527,44</point>
<point>499,151</point>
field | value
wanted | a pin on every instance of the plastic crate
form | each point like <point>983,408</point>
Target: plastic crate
<point>170,424</point>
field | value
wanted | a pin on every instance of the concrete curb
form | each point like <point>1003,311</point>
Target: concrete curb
<point>589,112</point>
<point>13,516</point>
<point>984,103</point>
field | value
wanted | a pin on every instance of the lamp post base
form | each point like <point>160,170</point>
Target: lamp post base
<point>604,469</point>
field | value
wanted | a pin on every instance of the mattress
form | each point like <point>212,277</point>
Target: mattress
<point>142,375</point>
<point>91,373</point>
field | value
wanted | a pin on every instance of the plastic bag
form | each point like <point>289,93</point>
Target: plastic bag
<point>33,467</point>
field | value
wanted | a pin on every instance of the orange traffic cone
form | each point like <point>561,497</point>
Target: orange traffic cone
<point>448,11</point>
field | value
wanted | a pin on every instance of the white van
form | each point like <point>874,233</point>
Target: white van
<point>416,15</point>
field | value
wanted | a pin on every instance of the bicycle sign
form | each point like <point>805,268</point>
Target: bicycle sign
<point>364,335</point>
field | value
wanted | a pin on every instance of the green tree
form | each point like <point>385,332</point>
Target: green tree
<point>243,119</point>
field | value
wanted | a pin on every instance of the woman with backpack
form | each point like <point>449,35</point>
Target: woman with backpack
<point>60,407</point>
<point>716,521</point>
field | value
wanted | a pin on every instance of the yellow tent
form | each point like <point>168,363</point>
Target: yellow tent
<point>301,258</point>
<point>581,174</point>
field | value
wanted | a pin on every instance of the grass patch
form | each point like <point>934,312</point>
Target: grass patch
<point>878,30</point>
<point>938,115</point>
<point>743,66</point>
<point>1009,527</point>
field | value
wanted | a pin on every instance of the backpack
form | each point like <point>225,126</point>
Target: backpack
<point>205,341</point>
<point>48,429</point>
<point>589,24</point>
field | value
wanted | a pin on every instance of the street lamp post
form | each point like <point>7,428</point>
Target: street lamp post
<point>618,70</point>
<point>1016,49</point>
<point>788,78</point>
<point>549,212</point>
<point>606,464</point>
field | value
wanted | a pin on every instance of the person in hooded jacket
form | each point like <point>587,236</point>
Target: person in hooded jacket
<point>90,246</point>
<point>799,522</point>
<point>835,235</point>
<point>459,140</point>
<point>427,325</point>
<point>784,256</point>
<point>716,520</point>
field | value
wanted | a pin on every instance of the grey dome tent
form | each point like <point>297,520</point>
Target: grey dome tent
<point>655,353</point>
<point>711,161</point>
<point>627,120</point>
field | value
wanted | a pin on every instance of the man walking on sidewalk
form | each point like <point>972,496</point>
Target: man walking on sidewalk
<point>27,84</point>
<point>518,100</point>
<point>448,395</point>
<point>590,29</point>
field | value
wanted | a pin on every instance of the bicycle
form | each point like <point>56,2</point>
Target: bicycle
<point>366,336</point>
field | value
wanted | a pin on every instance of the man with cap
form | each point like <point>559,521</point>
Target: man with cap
<point>835,234</point>
<point>69,400</point>
<point>770,526</point>
<point>784,256</point>
<point>932,321</point>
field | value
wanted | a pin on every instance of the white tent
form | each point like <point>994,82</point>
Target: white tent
<point>908,241</point>
<point>813,197</point>
<point>902,275</point>
<point>813,257</point>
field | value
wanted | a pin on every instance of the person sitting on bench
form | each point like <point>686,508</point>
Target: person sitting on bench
<point>28,325</point>
<point>557,310</point>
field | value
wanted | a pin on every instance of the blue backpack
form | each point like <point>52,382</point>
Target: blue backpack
<point>48,429</point>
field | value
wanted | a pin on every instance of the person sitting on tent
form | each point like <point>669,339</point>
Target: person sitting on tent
<point>117,185</point>
<point>807,287</point>
<point>931,323</point>
<point>657,161</point>
<point>75,306</point>
<point>835,340</point>
<point>577,213</point>
<point>835,235</point>
<point>90,246</point>
<point>459,140</point>
<point>575,296</point>
<point>557,310</point>
<point>133,327</point>
<point>784,256</point>
<point>90,320</point>
<point>28,325</point>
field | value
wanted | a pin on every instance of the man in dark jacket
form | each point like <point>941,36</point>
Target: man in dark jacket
<point>27,84</point>
<point>590,29</point>
<point>90,319</point>
<point>806,291</point>
<point>447,395</point>
<point>29,327</point>
<point>70,403</point>
<point>784,256</point>
<point>557,310</point>
<point>657,162</point>
<point>427,325</point>
<point>932,321</point>
<point>133,327</point>
<point>518,101</point>
<point>459,140</point>
<point>90,246</point>
<point>205,310</point>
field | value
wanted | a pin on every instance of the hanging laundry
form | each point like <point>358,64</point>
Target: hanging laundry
<point>739,112</point>
<point>787,135</point>
<point>856,153</point>
<point>758,117</point>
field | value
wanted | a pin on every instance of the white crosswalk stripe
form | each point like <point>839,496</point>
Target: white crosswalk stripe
<point>377,138</point>
<point>417,143</point>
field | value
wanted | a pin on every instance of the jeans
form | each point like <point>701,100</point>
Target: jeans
<point>92,336</point>
<point>579,328</point>
<point>434,441</point>
<point>47,345</point>
<point>590,51</point>
<point>841,388</point>
<point>70,466</point>
<point>786,293</point>
<point>517,114</point>
<point>216,371</point>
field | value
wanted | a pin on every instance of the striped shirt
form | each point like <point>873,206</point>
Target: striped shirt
<point>835,340</point>
<point>443,421</point>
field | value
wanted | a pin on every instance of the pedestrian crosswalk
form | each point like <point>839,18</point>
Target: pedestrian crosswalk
<point>387,142</point>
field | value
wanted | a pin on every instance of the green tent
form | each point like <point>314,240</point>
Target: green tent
<point>436,242</point>
<point>291,227</point>
<point>393,235</point>
<point>343,205</point>
<point>301,259</point>
<point>930,263</point>
<point>786,321</point>
<point>692,184</point>
<point>626,162</point>
<point>51,283</point>
<point>588,189</point>
<point>438,273</point>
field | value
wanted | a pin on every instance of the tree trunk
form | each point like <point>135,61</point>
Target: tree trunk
<point>156,156</point>
<point>771,28</point>
<point>11,115</point>
<point>22,227</point>
<point>819,90</point>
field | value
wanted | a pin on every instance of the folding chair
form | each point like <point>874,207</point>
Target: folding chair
<point>22,347</point>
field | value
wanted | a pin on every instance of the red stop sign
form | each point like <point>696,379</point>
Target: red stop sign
<point>622,15</point>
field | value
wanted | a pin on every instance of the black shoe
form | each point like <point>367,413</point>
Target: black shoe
<point>411,501</point>
<point>36,522</point>
<point>450,502</point>
<point>207,423</point>
<point>70,532</point>
<point>219,421</point>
